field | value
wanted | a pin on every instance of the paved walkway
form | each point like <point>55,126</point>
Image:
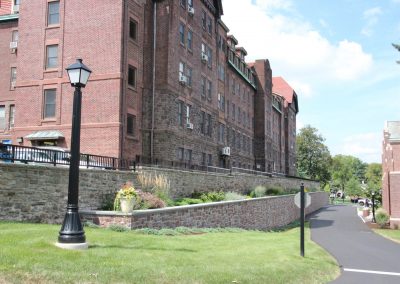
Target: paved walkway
<point>364,257</point>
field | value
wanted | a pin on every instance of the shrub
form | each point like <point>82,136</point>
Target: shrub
<point>158,185</point>
<point>107,201</point>
<point>381,217</point>
<point>213,196</point>
<point>233,196</point>
<point>146,200</point>
<point>187,201</point>
<point>274,190</point>
<point>259,191</point>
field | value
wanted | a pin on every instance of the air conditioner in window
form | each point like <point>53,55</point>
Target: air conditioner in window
<point>16,9</point>
<point>204,57</point>
<point>189,125</point>
<point>182,79</point>
<point>191,11</point>
<point>13,84</point>
<point>226,151</point>
<point>13,45</point>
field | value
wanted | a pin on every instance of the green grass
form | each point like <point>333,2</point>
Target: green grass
<point>393,235</point>
<point>28,255</point>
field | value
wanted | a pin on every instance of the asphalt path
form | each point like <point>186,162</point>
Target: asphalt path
<point>363,256</point>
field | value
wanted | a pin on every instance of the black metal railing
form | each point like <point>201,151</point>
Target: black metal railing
<point>40,156</point>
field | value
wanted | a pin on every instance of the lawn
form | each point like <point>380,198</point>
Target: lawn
<point>394,235</point>
<point>28,255</point>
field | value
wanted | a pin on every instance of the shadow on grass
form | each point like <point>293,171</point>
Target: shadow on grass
<point>96,246</point>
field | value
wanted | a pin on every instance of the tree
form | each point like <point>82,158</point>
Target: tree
<point>353,187</point>
<point>313,157</point>
<point>373,177</point>
<point>345,168</point>
<point>397,46</point>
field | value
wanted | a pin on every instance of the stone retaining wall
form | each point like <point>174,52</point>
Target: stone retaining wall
<point>39,193</point>
<point>258,213</point>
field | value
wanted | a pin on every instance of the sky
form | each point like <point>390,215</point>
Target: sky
<point>338,57</point>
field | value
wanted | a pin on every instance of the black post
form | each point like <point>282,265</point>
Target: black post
<point>72,230</point>
<point>373,208</point>
<point>302,205</point>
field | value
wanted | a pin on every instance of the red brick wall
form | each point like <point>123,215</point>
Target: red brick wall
<point>7,60</point>
<point>5,7</point>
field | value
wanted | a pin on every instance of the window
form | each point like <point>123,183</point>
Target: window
<point>188,155</point>
<point>181,68</point>
<point>132,76</point>
<point>209,25</point>
<point>190,39</point>
<point>221,72</point>
<point>53,13</point>
<point>11,117</point>
<point>203,123</point>
<point>203,158</point>
<point>209,125</point>
<point>209,89</point>
<point>189,72</point>
<point>209,54</point>
<point>209,160</point>
<point>51,56</point>
<point>13,77</point>
<point>182,34</point>
<point>14,36</point>
<point>133,29</point>
<point>221,133</point>
<point>227,108</point>
<point>203,86</point>
<point>49,103</point>
<point>183,3</point>
<point>204,19</point>
<point>188,107</point>
<point>221,102</point>
<point>2,118</point>
<point>233,112</point>
<point>180,113</point>
<point>130,124</point>
<point>179,153</point>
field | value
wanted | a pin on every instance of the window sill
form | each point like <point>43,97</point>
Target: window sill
<point>45,120</point>
<point>133,88</point>
<point>50,27</point>
<point>50,70</point>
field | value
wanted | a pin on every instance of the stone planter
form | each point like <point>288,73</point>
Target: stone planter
<point>127,204</point>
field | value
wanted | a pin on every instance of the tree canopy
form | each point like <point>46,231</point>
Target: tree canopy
<point>313,157</point>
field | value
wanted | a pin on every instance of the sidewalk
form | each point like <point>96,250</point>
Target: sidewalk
<point>363,256</point>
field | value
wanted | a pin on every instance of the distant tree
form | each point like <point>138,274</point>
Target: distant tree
<point>345,168</point>
<point>353,187</point>
<point>397,46</point>
<point>313,157</point>
<point>373,176</point>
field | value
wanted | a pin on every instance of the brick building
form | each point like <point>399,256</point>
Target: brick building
<point>169,83</point>
<point>391,171</point>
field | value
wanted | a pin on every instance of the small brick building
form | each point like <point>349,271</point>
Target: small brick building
<point>391,171</point>
<point>169,82</point>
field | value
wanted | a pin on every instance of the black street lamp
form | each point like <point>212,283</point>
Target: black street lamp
<point>373,207</point>
<point>72,235</point>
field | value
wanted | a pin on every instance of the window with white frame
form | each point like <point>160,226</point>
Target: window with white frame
<point>11,117</point>
<point>188,108</point>
<point>190,39</point>
<point>13,77</point>
<point>2,117</point>
<point>52,56</point>
<point>49,106</point>
<point>182,33</point>
<point>53,13</point>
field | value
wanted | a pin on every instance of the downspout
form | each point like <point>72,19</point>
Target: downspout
<point>154,79</point>
<point>122,85</point>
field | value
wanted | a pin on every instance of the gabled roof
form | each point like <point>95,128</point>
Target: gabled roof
<point>282,88</point>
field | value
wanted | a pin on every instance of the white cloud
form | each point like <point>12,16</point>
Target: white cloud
<point>372,18</point>
<point>366,146</point>
<point>296,50</point>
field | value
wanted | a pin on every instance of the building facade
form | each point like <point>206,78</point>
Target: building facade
<point>391,171</point>
<point>169,83</point>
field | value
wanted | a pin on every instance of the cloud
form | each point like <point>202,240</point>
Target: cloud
<point>365,146</point>
<point>372,17</point>
<point>295,49</point>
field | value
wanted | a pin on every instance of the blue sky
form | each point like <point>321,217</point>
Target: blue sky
<point>337,55</point>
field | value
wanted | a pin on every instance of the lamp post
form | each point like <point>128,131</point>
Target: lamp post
<point>72,235</point>
<point>373,207</point>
